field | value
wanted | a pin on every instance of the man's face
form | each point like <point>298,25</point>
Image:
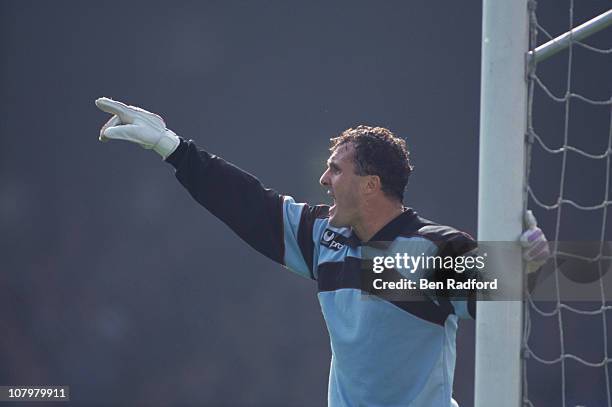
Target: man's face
<point>344,186</point>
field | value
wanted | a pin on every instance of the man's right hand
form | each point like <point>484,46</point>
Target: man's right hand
<point>138,126</point>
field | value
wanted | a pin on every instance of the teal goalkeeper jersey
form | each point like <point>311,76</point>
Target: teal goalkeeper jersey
<point>385,351</point>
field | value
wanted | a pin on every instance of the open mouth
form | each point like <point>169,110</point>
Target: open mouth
<point>332,208</point>
<point>333,202</point>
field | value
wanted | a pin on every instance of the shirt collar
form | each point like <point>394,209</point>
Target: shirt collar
<point>403,222</point>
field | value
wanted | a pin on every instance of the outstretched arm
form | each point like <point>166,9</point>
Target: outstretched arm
<point>271,223</point>
<point>234,196</point>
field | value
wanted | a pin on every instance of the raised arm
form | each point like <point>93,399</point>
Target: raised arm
<point>234,196</point>
<point>271,223</point>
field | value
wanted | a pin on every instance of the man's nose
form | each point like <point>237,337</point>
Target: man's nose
<point>324,180</point>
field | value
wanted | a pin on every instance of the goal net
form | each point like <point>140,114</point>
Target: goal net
<point>566,349</point>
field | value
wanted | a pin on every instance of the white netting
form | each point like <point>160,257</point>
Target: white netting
<point>566,355</point>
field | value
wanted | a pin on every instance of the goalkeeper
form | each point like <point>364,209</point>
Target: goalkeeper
<point>384,352</point>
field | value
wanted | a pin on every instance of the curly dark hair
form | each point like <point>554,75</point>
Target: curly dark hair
<point>379,152</point>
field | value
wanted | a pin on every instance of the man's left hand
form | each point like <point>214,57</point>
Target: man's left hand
<point>535,245</point>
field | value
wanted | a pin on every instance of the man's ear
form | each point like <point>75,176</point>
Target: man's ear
<point>372,184</point>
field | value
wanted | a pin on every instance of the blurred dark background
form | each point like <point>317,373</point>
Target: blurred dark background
<point>115,282</point>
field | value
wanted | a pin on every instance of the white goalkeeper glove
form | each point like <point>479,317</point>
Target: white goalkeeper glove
<point>138,126</point>
<point>535,244</point>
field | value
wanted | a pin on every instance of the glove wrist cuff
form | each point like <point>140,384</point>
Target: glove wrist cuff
<point>166,145</point>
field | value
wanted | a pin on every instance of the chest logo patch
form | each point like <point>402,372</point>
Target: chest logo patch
<point>333,240</point>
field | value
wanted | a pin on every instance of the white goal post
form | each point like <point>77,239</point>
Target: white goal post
<point>503,122</point>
